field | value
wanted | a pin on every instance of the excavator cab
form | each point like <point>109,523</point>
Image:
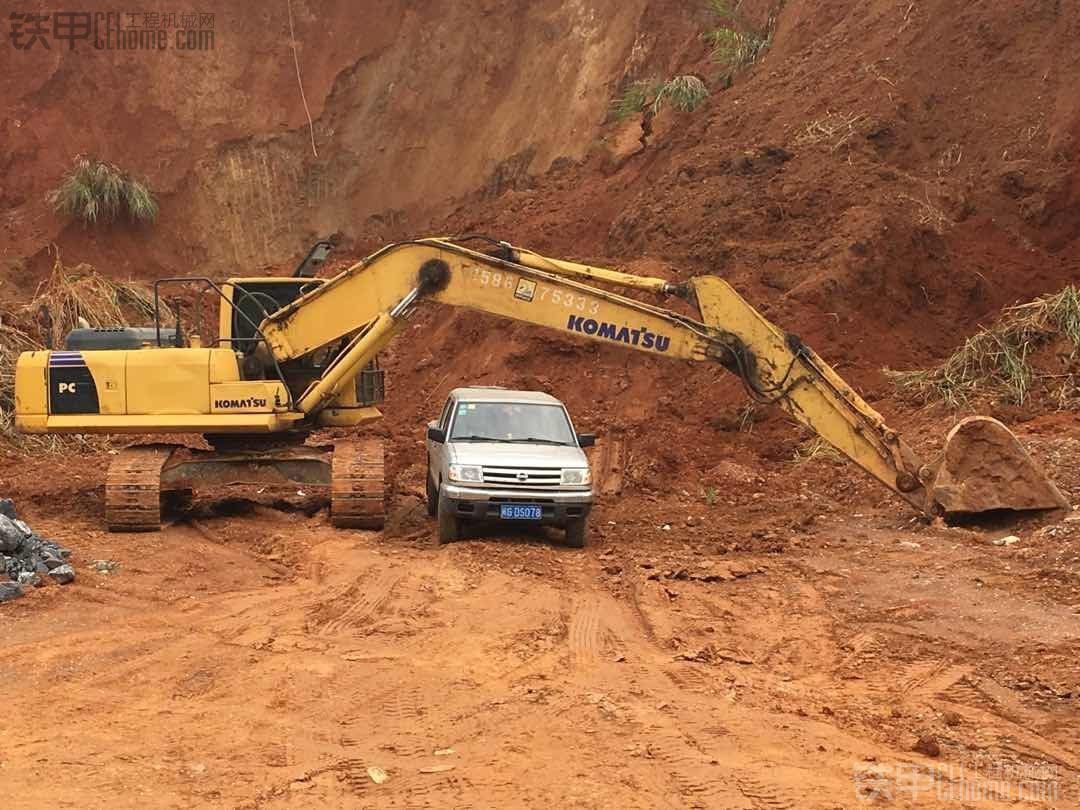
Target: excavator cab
<point>248,301</point>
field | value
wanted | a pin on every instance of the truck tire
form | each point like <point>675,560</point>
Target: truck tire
<point>449,526</point>
<point>432,497</point>
<point>575,532</point>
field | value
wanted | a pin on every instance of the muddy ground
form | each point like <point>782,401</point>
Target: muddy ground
<point>775,648</point>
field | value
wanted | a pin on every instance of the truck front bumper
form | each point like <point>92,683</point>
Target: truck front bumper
<point>480,503</point>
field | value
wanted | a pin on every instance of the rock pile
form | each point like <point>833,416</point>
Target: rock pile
<point>26,558</point>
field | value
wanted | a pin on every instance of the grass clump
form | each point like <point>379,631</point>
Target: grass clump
<point>65,298</point>
<point>685,93</point>
<point>94,191</point>
<point>69,295</point>
<point>737,43</point>
<point>635,98</point>
<point>997,361</point>
<point>833,130</point>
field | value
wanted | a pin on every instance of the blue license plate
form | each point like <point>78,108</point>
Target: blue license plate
<point>517,511</point>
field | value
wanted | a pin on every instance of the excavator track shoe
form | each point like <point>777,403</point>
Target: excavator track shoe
<point>133,489</point>
<point>357,487</point>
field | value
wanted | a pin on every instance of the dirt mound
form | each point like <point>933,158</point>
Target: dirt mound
<point>1031,352</point>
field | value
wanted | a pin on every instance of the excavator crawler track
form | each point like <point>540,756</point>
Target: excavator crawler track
<point>357,491</point>
<point>133,489</point>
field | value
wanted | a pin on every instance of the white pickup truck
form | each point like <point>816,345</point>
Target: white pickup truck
<point>510,456</point>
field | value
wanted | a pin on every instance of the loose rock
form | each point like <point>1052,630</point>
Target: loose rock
<point>11,535</point>
<point>9,591</point>
<point>928,746</point>
<point>25,556</point>
<point>63,574</point>
<point>31,578</point>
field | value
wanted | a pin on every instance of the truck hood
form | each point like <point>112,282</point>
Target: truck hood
<point>497,454</point>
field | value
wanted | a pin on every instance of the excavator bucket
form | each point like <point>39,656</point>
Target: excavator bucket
<point>984,468</point>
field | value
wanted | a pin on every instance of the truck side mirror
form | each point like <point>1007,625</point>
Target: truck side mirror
<point>586,439</point>
<point>437,435</point>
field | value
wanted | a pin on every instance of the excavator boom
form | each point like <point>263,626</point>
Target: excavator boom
<point>366,300</point>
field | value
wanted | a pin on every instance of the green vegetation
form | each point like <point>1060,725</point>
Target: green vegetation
<point>635,98</point>
<point>685,93</point>
<point>96,191</point>
<point>997,361</point>
<point>737,43</point>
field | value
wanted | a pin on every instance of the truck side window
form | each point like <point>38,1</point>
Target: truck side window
<point>444,419</point>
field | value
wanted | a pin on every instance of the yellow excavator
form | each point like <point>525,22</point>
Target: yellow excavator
<point>295,354</point>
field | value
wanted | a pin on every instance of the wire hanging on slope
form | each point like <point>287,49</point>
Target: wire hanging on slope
<point>300,81</point>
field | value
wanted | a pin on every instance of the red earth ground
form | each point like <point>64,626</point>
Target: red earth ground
<point>743,631</point>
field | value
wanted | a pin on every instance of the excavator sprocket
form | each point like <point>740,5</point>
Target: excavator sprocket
<point>133,488</point>
<point>357,487</point>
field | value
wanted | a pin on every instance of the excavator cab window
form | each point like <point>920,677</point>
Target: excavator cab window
<point>257,298</point>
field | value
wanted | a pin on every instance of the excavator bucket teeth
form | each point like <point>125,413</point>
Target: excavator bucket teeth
<point>985,468</point>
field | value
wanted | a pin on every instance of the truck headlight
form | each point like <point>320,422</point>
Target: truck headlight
<point>577,477</point>
<point>466,473</point>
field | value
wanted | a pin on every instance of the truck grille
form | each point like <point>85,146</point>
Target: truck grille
<point>524,477</point>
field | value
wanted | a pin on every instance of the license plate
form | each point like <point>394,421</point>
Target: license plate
<point>516,511</point>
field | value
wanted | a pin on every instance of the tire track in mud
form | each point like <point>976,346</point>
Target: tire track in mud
<point>909,681</point>
<point>396,735</point>
<point>1014,722</point>
<point>926,680</point>
<point>119,668</point>
<point>695,766</point>
<point>763,796</point>
<point>685,736</point>
<point>691,677</point>
<point>955,687</point>
<point>683,762</point>
<point>398,715</point>
<point>584,633</point>
<point>354,606</point>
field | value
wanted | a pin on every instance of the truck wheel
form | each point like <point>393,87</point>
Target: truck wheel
<point>449,526</point>
<point>432,498</point>
<point>575,532</point>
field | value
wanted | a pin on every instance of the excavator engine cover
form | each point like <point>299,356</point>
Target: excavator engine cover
<point>985,468</point>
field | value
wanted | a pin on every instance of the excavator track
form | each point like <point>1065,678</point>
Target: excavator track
<point>133,489</point>
<point>357,486</point>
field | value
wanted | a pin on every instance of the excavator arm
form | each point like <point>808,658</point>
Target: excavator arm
<point>368,304</point>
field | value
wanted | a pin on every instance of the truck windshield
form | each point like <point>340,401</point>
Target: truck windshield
<point>511,422</point>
